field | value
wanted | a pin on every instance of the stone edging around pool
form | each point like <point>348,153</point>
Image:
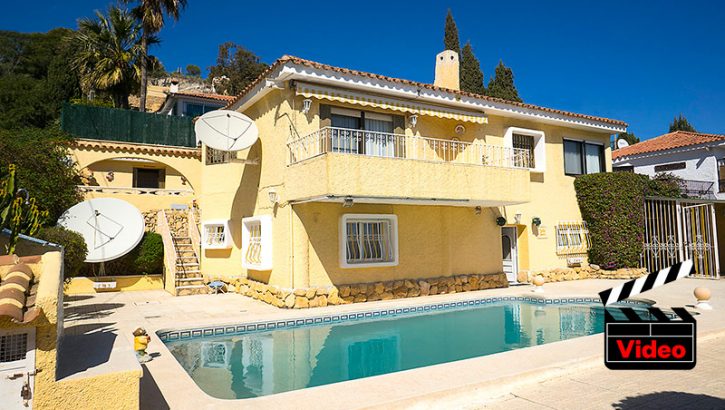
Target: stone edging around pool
<point>171,335</point>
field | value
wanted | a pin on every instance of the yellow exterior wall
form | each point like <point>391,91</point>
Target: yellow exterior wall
<point>84,286</point>
<point>434,240</point>
<point>97,162</point>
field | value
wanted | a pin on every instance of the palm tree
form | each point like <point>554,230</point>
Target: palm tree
<point>109,54</point>
<point>151,14</point>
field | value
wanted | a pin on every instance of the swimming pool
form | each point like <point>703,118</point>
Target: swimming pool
<point>251,360</point>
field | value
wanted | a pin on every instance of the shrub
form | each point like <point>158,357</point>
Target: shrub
<point>147,258</point>
<point>150,259</point>
<point>612,204</point>
<point>74,244</point>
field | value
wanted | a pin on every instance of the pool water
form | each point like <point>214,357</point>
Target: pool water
<point>263,363</point>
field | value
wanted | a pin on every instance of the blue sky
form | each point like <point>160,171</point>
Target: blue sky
<point>639,61</point>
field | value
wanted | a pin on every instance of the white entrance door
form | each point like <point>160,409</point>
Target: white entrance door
<point>510,256</point>
<point>17,368</point>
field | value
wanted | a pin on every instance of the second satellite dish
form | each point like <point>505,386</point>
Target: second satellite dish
<point>110,227</point>
<point>226,130</point>
<point>621,143</point>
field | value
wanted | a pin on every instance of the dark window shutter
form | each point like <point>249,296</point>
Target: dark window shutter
<point>162,178</point>
<point>398,124</point>
<point>325,116</point>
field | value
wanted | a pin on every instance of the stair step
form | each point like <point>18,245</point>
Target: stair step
<point>192,287</point>
<point>186,264</point>
<point>188,271</point>
<point>196,279</point>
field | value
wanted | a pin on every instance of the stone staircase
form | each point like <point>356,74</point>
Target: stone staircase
<point>189,280</point>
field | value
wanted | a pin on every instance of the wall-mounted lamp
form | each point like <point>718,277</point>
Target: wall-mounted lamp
<point>536,221</point>
<point>273,196</point>
<point>184,180</point>
<point>306,105</point>
<point>347,203</point>
<point>109,176</point>
<point>500,221</point>
<point>460,129</point>
<point>477,210</point>
<point>413,118</point>
<point>517,217</point>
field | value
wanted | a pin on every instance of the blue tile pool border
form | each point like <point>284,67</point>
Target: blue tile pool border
<point>332,318</point>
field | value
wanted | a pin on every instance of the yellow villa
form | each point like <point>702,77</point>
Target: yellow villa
<point>359,178</point>
<point>365,187</point>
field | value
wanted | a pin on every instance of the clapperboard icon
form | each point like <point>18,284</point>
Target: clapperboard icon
<point>648,339</point>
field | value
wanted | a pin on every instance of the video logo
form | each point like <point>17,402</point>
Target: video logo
<point>655,341</point>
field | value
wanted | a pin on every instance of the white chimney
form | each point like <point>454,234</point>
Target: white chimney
<point>447,73</point>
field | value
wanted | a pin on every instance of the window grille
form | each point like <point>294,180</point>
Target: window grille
<point>215,234</point>
<point>214,156</point>
<point>526,142</point>
<point>572,238</point>
<point>254,250</point>
<point>13,347</point>
<point>370,240</point>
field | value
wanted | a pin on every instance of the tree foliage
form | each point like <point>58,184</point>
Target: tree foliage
<point>502,85</point>
<point>238,64</point>
<point>75,248</point>
<point>19,212</point>
<point>147,258</point>
<point>471,74</point>
<point>109,54</point>
<point>35,77</point>
<point>627,136</point>
<point>680,123</point>
<point>193,70</point>
<point>450,36</point>
<point>43,167</point>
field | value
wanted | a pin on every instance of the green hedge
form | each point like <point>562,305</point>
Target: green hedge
<point>74,244</point>
<point>145,259</point>
<point>612,204</point>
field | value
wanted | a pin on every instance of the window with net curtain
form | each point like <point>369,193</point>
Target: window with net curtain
<point>583,157</point>
<point>369,133</point>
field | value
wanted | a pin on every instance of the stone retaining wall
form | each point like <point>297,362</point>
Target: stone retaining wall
<point>586,272</point>
<point>363,292</point>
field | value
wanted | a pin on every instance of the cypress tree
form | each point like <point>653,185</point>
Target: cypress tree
<point>680,123</point>
<point>471,74</point>
<point>450,38</point>
<point>502,85</point>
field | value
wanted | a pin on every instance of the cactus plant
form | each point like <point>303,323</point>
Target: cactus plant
<point>19,216</point>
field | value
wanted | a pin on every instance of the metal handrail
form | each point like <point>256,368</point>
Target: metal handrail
<point>389,145</point>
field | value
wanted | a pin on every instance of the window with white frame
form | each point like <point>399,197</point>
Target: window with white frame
<point>529,148</point>
<point>215,234</point>
<point>257,242</point>
<point>368,240</point>
<point>572,237</point>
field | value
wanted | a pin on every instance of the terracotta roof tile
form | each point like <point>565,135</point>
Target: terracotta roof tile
<point>667,141</point>
<point>17,290</point>
<point>208,96</point>
<point>300,61</point>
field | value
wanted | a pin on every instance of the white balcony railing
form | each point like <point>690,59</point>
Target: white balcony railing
<point>382,144</point>
<point>137,191</point>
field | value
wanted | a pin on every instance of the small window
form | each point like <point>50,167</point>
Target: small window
<point>257,242</point>
<point>625,168</point>
<point>528,148</point>
<point>526,143</point>
<point>670,167</point>
<point>195,110</point>
<point>148,178</point>
<point>368,240</point>
<point>13,347</point>
<point>583,157</point>
<point>215,235</point>
<point>572,238</point>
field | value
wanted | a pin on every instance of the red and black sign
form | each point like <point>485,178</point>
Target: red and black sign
<point>652,342</point>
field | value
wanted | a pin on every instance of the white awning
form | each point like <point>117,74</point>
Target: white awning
<point>350,97</point>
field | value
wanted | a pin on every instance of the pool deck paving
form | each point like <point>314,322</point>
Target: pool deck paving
<point>547,376</point>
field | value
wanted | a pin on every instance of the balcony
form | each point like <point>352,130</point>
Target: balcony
<point>331,164</point>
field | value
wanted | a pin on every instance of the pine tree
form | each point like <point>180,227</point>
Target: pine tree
<point>450,38</point>
<point>471,74</point>
<point>680,123</point>
<point>502,85</point>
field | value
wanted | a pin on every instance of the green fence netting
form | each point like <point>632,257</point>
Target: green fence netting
<point>112,124</point>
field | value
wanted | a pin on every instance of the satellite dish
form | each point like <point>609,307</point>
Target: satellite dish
<point>226,130</point>
<point>621,143</point>
<point>111,227</point>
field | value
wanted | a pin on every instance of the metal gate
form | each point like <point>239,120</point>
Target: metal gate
<point>676,230</point>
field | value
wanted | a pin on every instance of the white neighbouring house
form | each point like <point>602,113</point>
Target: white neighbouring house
<point>697,158</point>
